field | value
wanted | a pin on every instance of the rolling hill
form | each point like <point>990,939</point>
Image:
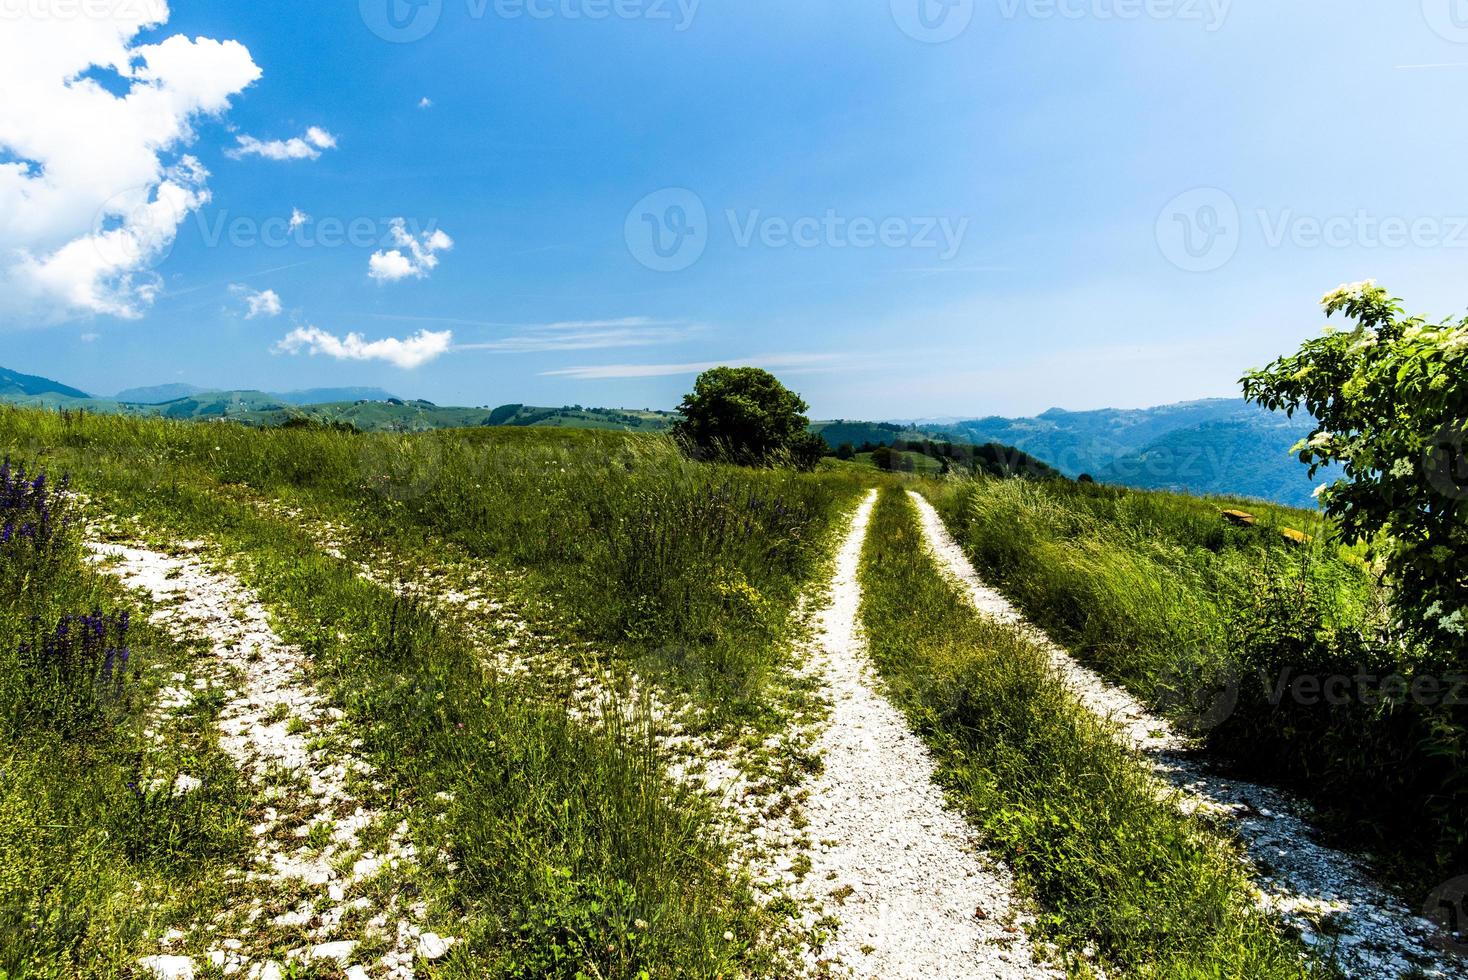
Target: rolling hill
<point>13,383</point>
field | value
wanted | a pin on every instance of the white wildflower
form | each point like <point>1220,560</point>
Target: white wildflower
<point>1454,623</point>
<point>1403,468</point>
<point>1346,292</point>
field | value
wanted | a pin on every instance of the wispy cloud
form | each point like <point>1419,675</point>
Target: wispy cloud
<point>406,353</point>
<point>791,363</point>
<point>588,335</point>
<point>307,147</point>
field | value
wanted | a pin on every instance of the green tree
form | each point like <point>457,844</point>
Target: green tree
<point>846,451</point>
<point>745,415</point>
<point>1390,398</point>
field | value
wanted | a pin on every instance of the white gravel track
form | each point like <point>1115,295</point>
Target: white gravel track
<point>916,896</point>
<point>1371,932</point>
<point>269,718</point>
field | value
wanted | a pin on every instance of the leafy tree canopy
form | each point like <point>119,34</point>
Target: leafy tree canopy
<point>746,415</point>
<point>1391,400</point>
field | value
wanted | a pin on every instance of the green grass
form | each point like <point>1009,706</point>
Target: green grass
<point>1107,854</point>
<point>1160,593</point>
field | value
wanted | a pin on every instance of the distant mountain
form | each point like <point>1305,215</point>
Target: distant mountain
<point>328,396</point>
<point>1215,446</point>
<point>157,394</point>
<point>13,383</point>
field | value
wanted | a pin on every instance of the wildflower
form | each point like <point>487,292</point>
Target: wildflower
<point>640,925</point>
<point>1403,468</point>
<point>728,937</point>
<point>1454,623</point>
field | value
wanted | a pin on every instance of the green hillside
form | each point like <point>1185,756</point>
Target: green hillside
<point>13,383</point>
<point>1225,458</point>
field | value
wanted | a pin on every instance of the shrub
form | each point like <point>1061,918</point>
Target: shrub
<point>744,415</point>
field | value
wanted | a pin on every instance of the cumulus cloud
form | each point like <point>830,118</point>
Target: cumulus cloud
<point>93,186</point>
<point>415,257</point>
<point>265,302</point>
<point>298,218</point>
<point>307,147</point>
<point>406,353</point>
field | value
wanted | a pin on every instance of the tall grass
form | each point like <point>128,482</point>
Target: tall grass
<point>1114,865</point>
<point>639,547</point>
<point>1162,594</point>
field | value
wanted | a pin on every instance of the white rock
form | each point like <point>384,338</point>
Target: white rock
<point>339,951</point>
<point>168,967</point>
<point>432,947</point>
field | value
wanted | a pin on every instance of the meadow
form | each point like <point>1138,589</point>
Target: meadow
<point>1215,623</point>
<point>641,594</point>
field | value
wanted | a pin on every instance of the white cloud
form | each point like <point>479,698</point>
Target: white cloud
<point>265,302</point>
<point>791,363</point>
<point>94,189</point>
<point>298,218</point>
<point>411,352</point>
<point>588,335</point>
<point>420,258</point>
<point>90,337</point>
<point>307,147</point>
<point>425,103</point>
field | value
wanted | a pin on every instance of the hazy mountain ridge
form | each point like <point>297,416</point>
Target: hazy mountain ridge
<point>1213,446</point>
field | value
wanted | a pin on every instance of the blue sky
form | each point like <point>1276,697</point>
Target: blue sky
<point>1078,203</point>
